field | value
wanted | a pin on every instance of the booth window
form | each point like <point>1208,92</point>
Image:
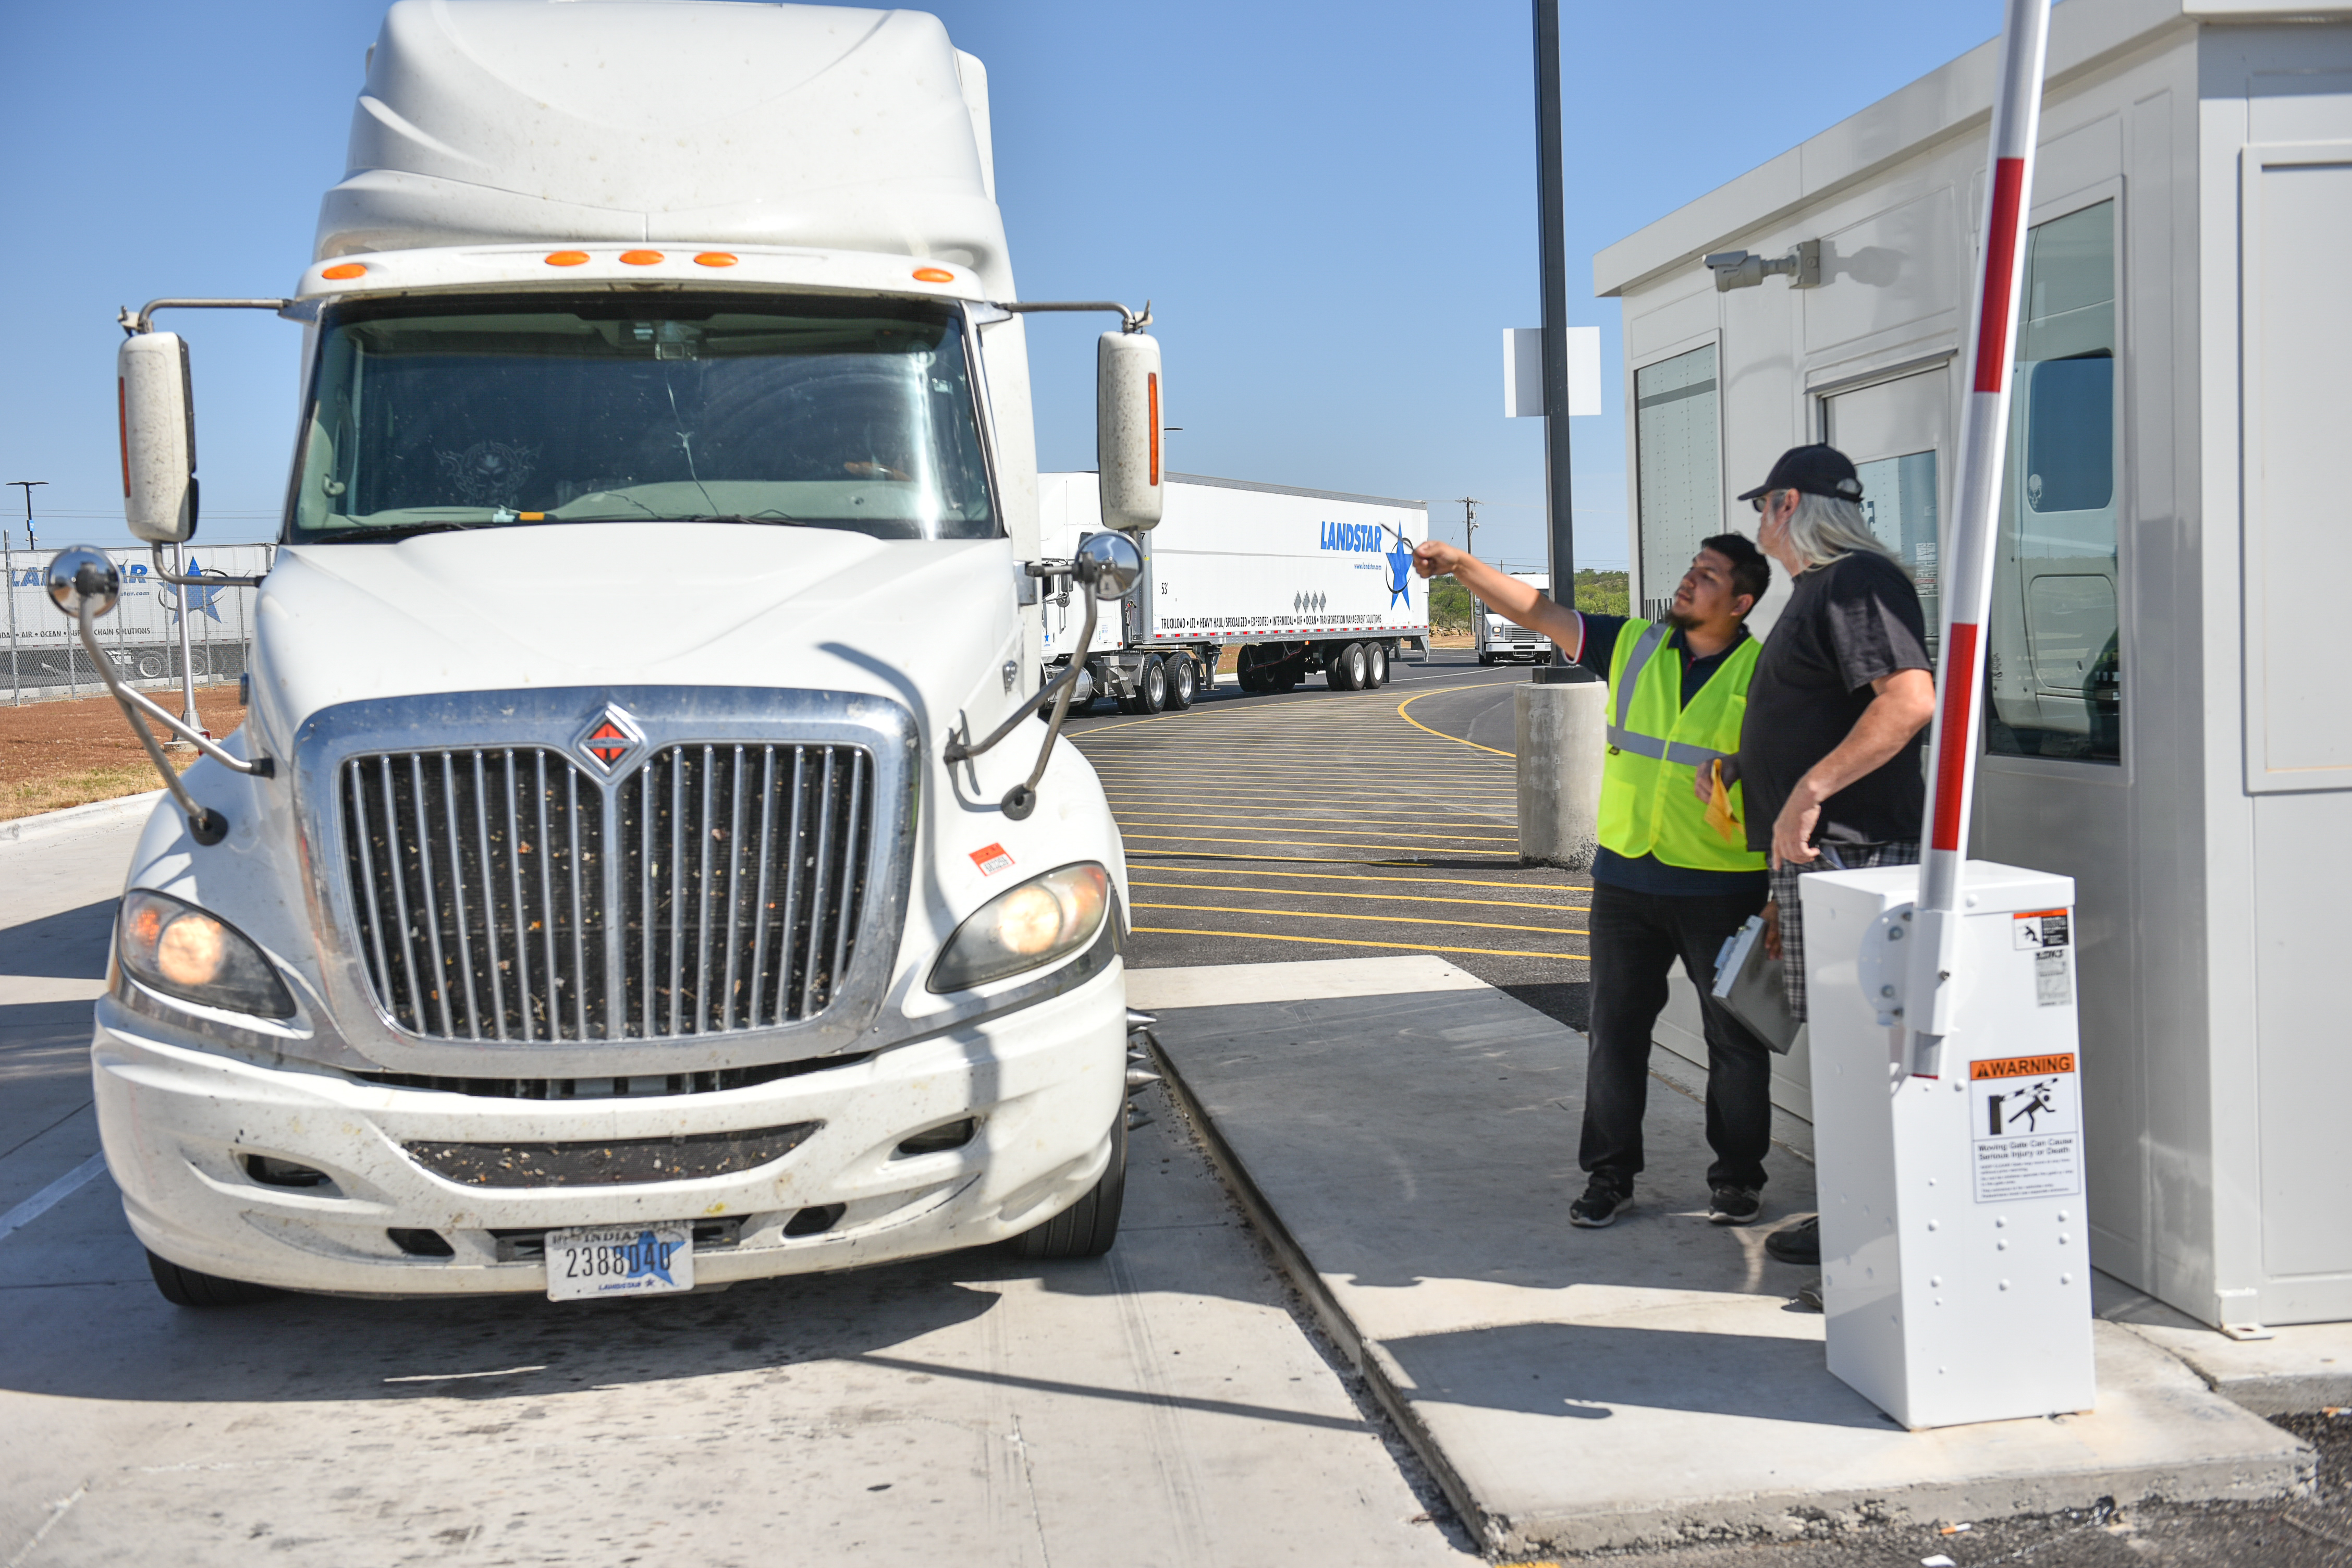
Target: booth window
<point>1898,500</point>
<point>1675,442</point>
<point>2054,667</point>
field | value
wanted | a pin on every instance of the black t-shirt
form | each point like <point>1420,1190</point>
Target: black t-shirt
<point>1846,624</point>
<point>1647,873</point>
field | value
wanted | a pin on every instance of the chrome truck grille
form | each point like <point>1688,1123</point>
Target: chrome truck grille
<point>608,873</point>
<point>487,882</point>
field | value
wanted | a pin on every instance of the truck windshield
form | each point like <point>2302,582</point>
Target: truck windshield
<point>480,413</point>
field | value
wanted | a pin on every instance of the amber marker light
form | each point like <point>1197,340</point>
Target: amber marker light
<point>933,275</point>
<point>568,258</point>
<point>347,270</point>
<point>640,257</point>
<point>715,258</point>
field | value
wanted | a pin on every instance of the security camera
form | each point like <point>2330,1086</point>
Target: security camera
<point>1740,269</point>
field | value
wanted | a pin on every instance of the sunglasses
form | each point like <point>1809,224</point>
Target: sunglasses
<point>1758,501</point>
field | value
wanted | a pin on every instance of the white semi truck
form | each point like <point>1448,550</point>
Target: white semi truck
<point>1299,581</point>
<point>633,870</point>
<point>1499,639</point>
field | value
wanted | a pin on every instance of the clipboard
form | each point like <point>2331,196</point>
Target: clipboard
<point>1748,983</point>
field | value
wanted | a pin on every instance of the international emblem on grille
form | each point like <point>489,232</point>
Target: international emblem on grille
<point>610,738</point>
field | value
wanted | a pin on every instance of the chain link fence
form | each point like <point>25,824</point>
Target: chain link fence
<point>43,656</point>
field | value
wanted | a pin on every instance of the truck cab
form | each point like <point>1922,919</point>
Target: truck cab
<point>634,871</point>
<point>1500,640</point>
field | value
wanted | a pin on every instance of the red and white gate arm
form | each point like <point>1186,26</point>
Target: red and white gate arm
<point>1969,548</point>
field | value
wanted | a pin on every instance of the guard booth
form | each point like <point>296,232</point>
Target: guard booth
<point>2168,721</point>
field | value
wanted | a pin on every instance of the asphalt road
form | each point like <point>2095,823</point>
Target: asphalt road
<point>1163,1404</point>
<point>1319,824</point>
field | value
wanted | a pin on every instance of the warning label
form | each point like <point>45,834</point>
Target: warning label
<point>2053,983</point>
<point>2041,928</point>
<point>2028,1133</point>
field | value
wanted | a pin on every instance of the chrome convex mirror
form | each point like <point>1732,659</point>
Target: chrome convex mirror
<point>1117,564</point>
<point>85,584</point>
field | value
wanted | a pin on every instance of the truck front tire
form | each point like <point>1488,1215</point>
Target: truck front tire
<point>1087,1227</point>
<point>192,1287</point>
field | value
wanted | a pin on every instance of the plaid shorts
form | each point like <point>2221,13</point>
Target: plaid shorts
<point>1786,893</point>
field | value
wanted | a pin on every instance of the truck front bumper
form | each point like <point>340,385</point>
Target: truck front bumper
<point>184,1128</point>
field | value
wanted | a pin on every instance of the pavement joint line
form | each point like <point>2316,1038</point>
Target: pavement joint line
<point>52,1127</point>
<point>1346,942</point>
<point>1308,1283</point>
<point>1390,898</point>
<point>53,1194</point>
<point>1340,915</point>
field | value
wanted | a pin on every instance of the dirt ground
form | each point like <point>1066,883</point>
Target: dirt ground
<point>57,754</point>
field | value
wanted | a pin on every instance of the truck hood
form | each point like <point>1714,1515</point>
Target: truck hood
<point>924,622</point>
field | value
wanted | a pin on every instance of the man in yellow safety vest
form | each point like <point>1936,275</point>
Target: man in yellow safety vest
<point>1674,877</point>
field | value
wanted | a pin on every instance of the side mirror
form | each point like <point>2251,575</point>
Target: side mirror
<point>159,438</point>
<point>1126,429</point>
<point>1116,565</point>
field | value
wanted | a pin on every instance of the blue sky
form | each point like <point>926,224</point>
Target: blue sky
<point>1331,207</point>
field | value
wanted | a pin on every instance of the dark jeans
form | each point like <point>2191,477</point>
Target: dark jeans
<point>1635,938</point>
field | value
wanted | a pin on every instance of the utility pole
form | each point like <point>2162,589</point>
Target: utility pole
<point>32,540</point>
<point>1470,526</point>
<point>1551,218</point>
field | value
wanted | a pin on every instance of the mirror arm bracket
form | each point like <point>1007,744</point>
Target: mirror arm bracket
<point>205,825</point>
<point>1130,321</point>
<point>207,579</point>
<point>142,321</point>
<point>961,750</point>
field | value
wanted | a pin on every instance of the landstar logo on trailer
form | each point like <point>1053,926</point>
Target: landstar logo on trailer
<point>610,737</point>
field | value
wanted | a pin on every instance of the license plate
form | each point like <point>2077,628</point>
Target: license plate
<point>619,1260</point>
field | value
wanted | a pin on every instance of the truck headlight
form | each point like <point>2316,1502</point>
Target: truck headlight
<point>1027,927</point>
<point>178,949</point>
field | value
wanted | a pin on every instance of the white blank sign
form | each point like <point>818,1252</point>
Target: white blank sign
<point>1523,372</point>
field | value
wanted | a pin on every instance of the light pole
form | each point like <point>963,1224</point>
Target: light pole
<point>32,540</point>
<point>1551,219</point>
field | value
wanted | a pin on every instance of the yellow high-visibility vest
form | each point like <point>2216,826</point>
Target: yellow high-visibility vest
<point>1656,747</point>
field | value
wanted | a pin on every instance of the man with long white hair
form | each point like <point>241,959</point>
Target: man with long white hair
<point>1828,753</point>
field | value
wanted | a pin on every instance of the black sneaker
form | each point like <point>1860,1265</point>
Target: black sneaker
<point>1799,1244</point>
<point>1600,1205</point>
<point>1733,1205</point>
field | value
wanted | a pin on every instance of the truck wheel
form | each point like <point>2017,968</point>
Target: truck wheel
<point>1376,664</point>
<point>1184,682</point>
<point>1087,1227</point>
<point>1152,686</point>
<point>1344,672</point>
<point>1487,658</point>
<point>190,1288</point>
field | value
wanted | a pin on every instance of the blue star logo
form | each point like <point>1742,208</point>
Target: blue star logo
<point>197,599</point>
<point>1400,561</point>
<point>648,1257</point>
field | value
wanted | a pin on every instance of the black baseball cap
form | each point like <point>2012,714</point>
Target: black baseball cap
<point>1816,471</point>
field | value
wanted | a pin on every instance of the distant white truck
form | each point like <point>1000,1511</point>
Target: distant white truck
<point>1501,640</point>
<point>1300,581</point>
<point>617,885</point>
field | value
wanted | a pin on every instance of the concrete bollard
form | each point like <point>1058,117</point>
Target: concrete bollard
<point>1562,721</point>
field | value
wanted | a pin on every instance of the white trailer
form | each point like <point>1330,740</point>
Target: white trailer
<point>1300,581</point>
<point>2163,724</point>
<point>617,884</point>
<point>1499,639</point>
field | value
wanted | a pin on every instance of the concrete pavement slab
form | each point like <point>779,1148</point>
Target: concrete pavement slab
<point>1414,1155</point>
<point>2300,1367</point>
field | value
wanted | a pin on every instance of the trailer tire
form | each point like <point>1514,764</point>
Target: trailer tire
<point>1376,665</point>
<point>192,1287</point>
<point>1152,686</point>
<point>1087,1227</point>
<point>1344,672</point>
<point>1183,681</point>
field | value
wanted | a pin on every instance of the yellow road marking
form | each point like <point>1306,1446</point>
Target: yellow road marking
<point>1333,876</point>
<point>1385,897</point>
<point>1443,838</point>
<point>1442,734</point>
<point>1384,919</point>
<point>1146,819</point>
<point>1308,843</point>
<point>1344,941</point>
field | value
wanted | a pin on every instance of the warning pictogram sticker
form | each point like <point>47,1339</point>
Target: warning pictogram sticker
<point>2028,1128</point>
<point>992,858</point>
